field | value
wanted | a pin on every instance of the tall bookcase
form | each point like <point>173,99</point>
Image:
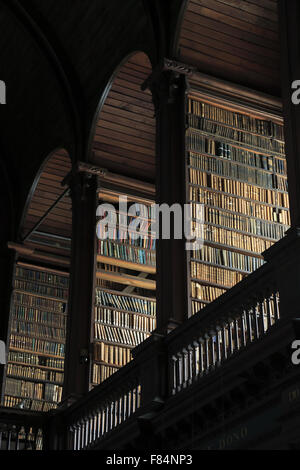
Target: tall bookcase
<point>124,304</point>
<point>36,344</point>
<point>236,168</point>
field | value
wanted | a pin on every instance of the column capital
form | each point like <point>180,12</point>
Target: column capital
<point>166,80</point>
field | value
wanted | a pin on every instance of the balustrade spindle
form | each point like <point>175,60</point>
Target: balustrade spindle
<point>224,342</point>
<point>206,337</point>
<point>174,369</point>
<point>184,367</point>
<point>230,339</point>
<point>256,324</point>
<point>249,324</point>
<point>276,304</point>
<point>180,370</point>
<point>262,319</point>
<point>201,355</point>
<point>236,334</point>
<point>269,312</point>
<point>195,360</point>
<point>243,329</point>
<point>218,344</point>
<point>190,353</point>
<point>212,336</point>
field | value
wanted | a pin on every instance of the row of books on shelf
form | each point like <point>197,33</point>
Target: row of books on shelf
<point>119,335</point>
<point>39,391</point>
<point>239,188</point>
<point>196,306</point>
<point>223,277</point>
<point>109,316</point>
<point>37,345</point>
<point>237,136</point>
<point>139,239</point>
<point>35,360</point>
<point>242,206</point>
<point>240,223</point>
<point>44,277</point>
<point>38,329</point>
<point>206,293</point>
<point>25,313</point>
<point>28,404</point>
<point>111,354</point>
<point>236,240</point>
<point>203,144</point>
<point>227,258</point>
<point>232,118</point>
<point>236,171</point>
<point>101,372</point>
<point>40,289</point>
<point>21,371</point>
<point>125,302</point>
<point>126,252</point>
<point>56,306</point>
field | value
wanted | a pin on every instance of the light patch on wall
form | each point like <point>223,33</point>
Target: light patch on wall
<point>2,353</point>
<point>2,92</point>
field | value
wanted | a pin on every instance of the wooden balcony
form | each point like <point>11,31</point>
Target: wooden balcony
<point>207,384</point>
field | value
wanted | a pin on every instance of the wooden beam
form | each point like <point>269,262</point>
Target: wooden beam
<point>126,279</point>
<point>38,255</point>
<point>126,264</point>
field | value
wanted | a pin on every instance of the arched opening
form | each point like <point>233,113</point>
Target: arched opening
<point>123,139</point>
<point>47,218</point>
<point>36,335</point>
<point>123,144</point>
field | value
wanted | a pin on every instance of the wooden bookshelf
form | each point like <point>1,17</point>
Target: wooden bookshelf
<point>35,367</point>
<point>235,167</point>
<point>125,305</point>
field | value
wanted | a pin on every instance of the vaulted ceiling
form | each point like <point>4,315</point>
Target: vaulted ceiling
<point>236,40</point>
<point>74,72</point>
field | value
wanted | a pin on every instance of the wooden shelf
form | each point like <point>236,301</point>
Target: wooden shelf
<point>235,127</point>
<point>240,214</point>
<point>126,264</point>
<point>231,160</point>
<point>125,294</point>
<point>210,263</point>
<point>126,279</point>
<point>37,366</point>
<point>129,328</point>
<point>115,343</point>
<point>232,178</point>
<point>253,201</point>
<point>49,297</point>
<point>235,143</point>
<point>32,379</point>
<point>130,312</point>
<point>36,353</point>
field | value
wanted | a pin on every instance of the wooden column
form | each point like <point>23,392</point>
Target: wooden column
<point>289,16</point>
<point>77,371</point>
<point>168,86</point>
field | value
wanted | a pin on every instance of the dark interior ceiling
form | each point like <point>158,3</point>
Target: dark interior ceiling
<point>236,40</point>
<point>63,55</point>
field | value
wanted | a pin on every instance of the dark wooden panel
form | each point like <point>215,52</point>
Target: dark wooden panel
<point>236,40</point>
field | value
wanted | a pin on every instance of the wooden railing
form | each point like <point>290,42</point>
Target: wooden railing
<point>20,430</point>
<point>164,366</point>
<point>103,409</point>
<point>243,315</point>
